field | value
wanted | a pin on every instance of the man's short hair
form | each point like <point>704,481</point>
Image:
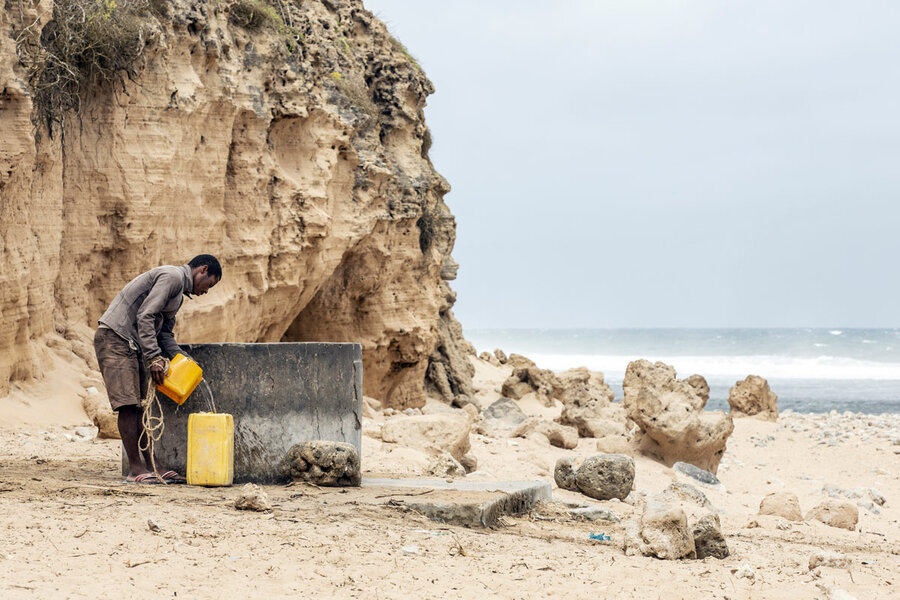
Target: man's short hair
<point>211,262</point>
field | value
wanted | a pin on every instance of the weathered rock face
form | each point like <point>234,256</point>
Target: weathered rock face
<point>302,166</point>
<point>670,414</point>
<point>752,397</point>
<point>588,405</point>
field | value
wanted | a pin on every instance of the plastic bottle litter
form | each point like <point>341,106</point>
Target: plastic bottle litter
<point>600,537</point>
<point>410,549</point>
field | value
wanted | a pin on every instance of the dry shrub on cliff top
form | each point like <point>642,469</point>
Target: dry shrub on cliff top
<point>85,42</point>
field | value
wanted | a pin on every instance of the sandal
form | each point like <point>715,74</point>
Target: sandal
<point>145,478</point>
<point>173,477</point>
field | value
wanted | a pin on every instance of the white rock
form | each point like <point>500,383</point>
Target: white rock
<point>746,571</point>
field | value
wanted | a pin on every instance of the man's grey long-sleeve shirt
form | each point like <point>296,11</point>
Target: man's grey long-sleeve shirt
<point>144,311</point>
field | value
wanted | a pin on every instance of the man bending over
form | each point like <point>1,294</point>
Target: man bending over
<point>134,335</point>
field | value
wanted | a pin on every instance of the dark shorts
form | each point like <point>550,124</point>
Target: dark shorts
<point>123,372</point>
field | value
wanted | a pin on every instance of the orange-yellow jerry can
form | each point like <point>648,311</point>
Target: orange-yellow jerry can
<point>183,377</point>
<point>210,449</point>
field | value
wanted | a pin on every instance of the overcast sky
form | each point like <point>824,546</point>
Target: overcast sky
<point>689,163</point>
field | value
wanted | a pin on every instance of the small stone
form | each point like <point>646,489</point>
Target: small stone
<point>504,413</point>
<point>445,465</point>
<point>745,571</point>
<point>697,473</point>
<point>835,514</point>
<point>564,474</point>
<point>825,558</point>
<point>708,538</point>
<point>152,526</point>
<point>781,504</point>
<point>253,497</point>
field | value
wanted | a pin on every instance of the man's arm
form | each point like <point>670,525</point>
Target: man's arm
<point>167,338</point>
<point>165,287</point>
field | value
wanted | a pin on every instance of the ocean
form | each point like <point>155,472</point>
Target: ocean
<point>811,370</point>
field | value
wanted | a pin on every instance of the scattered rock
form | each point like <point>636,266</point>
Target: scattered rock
<point>252,497</point>
<point>323,463</point>
<point>525,380</point>
<point>595,513</point>
<point>708,538</point>
<point>614,444</point>
<point>836,514</point>
<point>469,463</point>
<point>606,476</point>
<point>504,414</point>
<point>683,492</point>
<point>558,435</point>
<point>588,405</point>
<point>752,397</point>
<point>152,526</point>
<point>517,361</point>
<point>447,432</point>
<point>489,358</point>
<point>745,571</point>
<point>781,504</point>
<point>564,474</point>
<point>501,356</point>
<point>698,382</point>
<point>98,410</point>
<point>701,517</point>
<point>370,407</point>
<point>669,412</point>
<point>825,558</point>
<point>696,473</point>
<point>445,465</point>
<point>85,434</point>
<point>662,532</point>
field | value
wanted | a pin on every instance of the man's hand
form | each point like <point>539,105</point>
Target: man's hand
<point>158,373</point>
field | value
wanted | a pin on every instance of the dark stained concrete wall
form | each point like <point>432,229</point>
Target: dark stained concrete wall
<point>279,394</point>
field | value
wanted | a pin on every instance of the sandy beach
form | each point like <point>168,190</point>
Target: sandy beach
<point>74,530</point>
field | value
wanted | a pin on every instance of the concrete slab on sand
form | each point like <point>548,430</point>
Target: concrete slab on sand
<point>468,503</point>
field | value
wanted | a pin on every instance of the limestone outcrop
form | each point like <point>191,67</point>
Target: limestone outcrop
<point>292,146</point>
<point>752,397</point>
<point>669,412</point>
<point>588,405</point>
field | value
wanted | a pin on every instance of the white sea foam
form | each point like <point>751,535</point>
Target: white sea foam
<point>738,367</point>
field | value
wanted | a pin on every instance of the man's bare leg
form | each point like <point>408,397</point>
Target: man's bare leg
<point>130,429</point>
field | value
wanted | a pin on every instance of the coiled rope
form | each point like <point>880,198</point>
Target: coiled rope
<point>153,425</point>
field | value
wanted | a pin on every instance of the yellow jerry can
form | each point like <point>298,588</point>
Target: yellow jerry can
<point>210,449</point>
<point>183,377</point>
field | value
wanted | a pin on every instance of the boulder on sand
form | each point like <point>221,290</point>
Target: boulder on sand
<point>588,405</point>
<point>606,476</point>
<point>558,435</point>
<point>752,397</point>
<point>836,514</point>
<point>661,531</point>
<point>669,412</point>
<point>504,413</point>
<point>781,504</point>
<point>101,414</point>
<point>323,463</point>
<point>447,432</point>
<point>525,380</point>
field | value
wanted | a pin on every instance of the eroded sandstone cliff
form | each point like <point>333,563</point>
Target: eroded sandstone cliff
<point>295,150</point>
